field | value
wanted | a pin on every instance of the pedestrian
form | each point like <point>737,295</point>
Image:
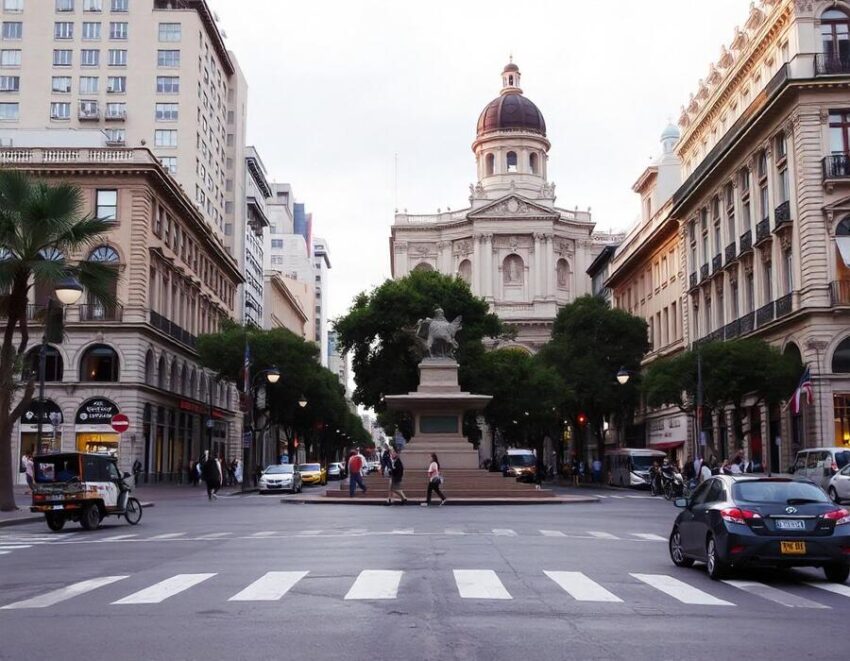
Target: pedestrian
<point>137,469</point>
<point>574,466</point>
<point>596,467</point>
<point>435,481</point>
<point>28,469</point>
<point>212,476</point>
<point>539,470</point>
<point>237,471</point>
<point>355,478</point>
<point>690,471</point>
<point>581,470</point>
<point>704,472</point>
<point>396,475</point>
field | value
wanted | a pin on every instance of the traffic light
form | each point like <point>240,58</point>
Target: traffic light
<point>581,419</point>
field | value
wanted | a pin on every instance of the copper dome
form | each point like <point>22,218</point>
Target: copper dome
<point>511,111</point>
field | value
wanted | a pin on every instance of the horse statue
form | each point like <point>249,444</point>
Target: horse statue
<point>438,334</point>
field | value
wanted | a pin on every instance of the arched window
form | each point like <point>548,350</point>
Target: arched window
<point>423,266</point>
<point>203,395</point>
<point>53,367</point>
<point>175,377</point>
<point>841,358</point>
<point>149,367</point>
<point>464,271</point>
<point>513,270</point>
<point>793,351</point>
<point>161,373</point>
<point>842,242</point>
<point>835,39</point>
<point>532,162</point>
<point>44,289</point>
<point>562,271</point>
<point>511,162</point>
<point>490,162</point>
<point>95,310</point>
<point>99,363</point>
<point>191,392</point>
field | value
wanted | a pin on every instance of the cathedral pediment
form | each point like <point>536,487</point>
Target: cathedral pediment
<point>513,206</point>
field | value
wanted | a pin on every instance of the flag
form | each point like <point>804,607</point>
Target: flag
<point>805,386</point>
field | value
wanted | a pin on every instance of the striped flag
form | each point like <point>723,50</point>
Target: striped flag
<point>804,387</point>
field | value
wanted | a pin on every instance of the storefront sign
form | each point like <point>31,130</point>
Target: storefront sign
<point>97,411</point>
<point>668,431</point>
<point>49,413</point>
<point>194,407</point>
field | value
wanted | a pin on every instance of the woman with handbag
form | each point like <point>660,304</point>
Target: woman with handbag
<point>435,481</point>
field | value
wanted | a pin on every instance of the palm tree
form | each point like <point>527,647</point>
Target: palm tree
<point>40,224</point>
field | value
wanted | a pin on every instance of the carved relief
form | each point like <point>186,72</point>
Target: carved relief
<point>512,241</point>
<point>463,247</point>
<point>400,246</point>
<point>423,248</point>
<point>564,246</point>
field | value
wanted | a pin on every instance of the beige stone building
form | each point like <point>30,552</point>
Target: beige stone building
<point>138,357</point>
<point>764,213</point>
<point>285,304</point>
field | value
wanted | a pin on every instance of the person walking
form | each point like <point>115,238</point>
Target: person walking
<point>396,473</point>
<point>435,481</point>
<point>28,469</point>
<point>137,469</point>
<point>355,478</point>
<point>212,476</point>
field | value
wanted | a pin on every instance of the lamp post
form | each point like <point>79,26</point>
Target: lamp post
<point>272,376</point>
<point>623,376</point>
<point>68,290</point>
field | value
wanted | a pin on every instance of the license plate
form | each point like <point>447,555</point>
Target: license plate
<point>57,507</point>
<point>793,548</point>
<point>790,524</point>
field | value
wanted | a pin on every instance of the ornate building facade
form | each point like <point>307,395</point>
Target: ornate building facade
<point>513,246</point>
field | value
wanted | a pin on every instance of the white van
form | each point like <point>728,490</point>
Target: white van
<point>820,464</point>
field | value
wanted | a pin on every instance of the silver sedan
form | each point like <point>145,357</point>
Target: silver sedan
<point>280,477</point>
<point>839,486</point>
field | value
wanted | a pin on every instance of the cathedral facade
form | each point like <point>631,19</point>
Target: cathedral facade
<point>515,248</point>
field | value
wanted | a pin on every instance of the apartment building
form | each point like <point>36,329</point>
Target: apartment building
<point>248,244</point>
<point>321,266</point>
<point>764,213</point>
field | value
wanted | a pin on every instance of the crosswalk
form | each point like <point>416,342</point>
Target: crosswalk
<point>469,585</point>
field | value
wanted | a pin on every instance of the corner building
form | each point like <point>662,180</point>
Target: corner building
<point>525,256</point>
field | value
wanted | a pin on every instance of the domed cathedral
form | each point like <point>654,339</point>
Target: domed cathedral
<point>525,256</point>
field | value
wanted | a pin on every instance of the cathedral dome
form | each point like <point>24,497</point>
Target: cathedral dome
<point>511,110</point>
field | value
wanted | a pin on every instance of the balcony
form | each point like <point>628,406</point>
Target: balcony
<point>173,330</point>
<point>763,230</point>
<point>95,312</point>
<point>836,166</point>
<point>840,292</point>
<point>716,263</point>
<point>765,314</point>
<point>692,280</point>
<point>89,114</point>
<point>747,323</point>
<point>703,272</point>
<point>831,65</point>
<point>731,253</point>
<point>732,330</point>
<point>782,214</point>
<point>746,242</point>
<point>784,305</point>
<point>115,115</point>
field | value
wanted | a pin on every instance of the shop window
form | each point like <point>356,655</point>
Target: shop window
<point>841,404</point>
<point>99,363</point>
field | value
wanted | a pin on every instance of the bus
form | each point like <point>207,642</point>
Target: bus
<point>629,467</point>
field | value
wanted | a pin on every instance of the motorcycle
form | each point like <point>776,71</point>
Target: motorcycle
<point>672,484</point>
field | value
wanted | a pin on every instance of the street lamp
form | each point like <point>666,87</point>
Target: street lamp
<point>68,290</point>
<point>623,376</point>
<point>302,401</point>
<point>272,376</point>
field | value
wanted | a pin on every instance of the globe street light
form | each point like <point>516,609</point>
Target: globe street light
<point>273,375</point>
<point>302,401</point>
<point>623,376</point>
<point>68,290</point>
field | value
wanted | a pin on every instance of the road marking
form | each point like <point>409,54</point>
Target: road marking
<point>580,587</point>
<point>618,497</point>
<point>598,495</point>
<point>270,587</point>
<point>836,588</point>
<point>480,584</point>
<point>552,533</point>
<point>5,552</point>
<point>164,589</point>
<point>14,547</point>
<point>355,531</point>
<point>650,537</point>
<point>309,533</point>
<point>375,584</point>
<point>602,535</point>
<point>118,538</point>
<point>168,535</point>
<point>453,531</point>
<point>680,591</point>
<point>68,592</point>
<point>402,531</point>
<point>264,533</point>
<point>774,594</point>
<point>504,532</point>
<point>214,535</point>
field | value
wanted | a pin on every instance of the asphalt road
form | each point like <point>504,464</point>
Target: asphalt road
<point>247,577</point>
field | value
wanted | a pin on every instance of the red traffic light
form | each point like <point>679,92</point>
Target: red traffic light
<point>581,419</point>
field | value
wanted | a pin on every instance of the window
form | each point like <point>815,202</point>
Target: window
<point>62,58</point>
<point>10,58</point>
<point>764,201</point>
<point>165,138</point>
<point>841,358</point>
<point>120,5</point>
<point>781,147</point>
<point>99,363</point>
<point>745,181</point>
<point>13,30</point>
<point>116,85</point>
<point>9,112</point>
<point>532,162</point>
<point>490,164</point>
<point>53,367</point>
<point>835,36</point>
<point>839,131</point>
<point>788,258</point>
<point>10,83</point>
<point>60,110</point>
<point>277,243</point>
<point>107,205</point>
<point>89,84</point>
<point>730,212</point>
<point>63,30</point>
<point>90,57</point>
<point>91,31</point>
<point>92,5</point>
<point>167,84</point>
<point>768,282</point>
<point>64,5</point>
<point>169,163</point>
<point>117,57</point>
<point>116,110</point>
<point>13,5</point>
<point>784,192</point>
<point>170,31</point>
<point>733,299</point>
<point>750,291</point>
<point>89,109</point>
<point>168,58</point>
<point>118,30</point>
<point>116,136</point>
<point>511,161</point>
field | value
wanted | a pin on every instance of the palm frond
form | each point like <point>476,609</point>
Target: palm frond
<point>99,279</point>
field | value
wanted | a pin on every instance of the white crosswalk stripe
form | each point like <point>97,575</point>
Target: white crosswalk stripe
<point>504,532</point>
<point>118,538</point>
<point>480,584</point>
<point>215,535</point>
<point>164,589</point>
<point>835,588</point>
<point>453,531</point>
<point>552,533</point>
<point>683,592</point>
<point>650,537</point>
<point>375,584</point>
<point>774,594</point>
<point>309,533</point>
<point>5,552</point>
<point>68,592</point>
<point>15,547</point>
<point>619,497</point>
<point>601,535</point>
<point>580,587</point>
<point>270,587</point>
<point>264,533</point>
<point>168,535</point>
<point>403,531</point>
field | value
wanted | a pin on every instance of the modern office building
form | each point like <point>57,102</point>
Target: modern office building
<point>249,242</point>
<point>321,268</point>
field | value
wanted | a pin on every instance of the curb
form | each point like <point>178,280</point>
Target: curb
<point>35,518</point>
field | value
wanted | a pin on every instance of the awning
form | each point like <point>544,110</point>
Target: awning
<point>665,445</point>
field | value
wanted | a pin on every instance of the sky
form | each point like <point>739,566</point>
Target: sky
<point>365,106</point>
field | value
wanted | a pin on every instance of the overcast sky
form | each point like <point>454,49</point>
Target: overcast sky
<point>337,88</point>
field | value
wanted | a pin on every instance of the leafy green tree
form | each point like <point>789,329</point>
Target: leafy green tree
<point>42,226</point>
<point>590,343</point>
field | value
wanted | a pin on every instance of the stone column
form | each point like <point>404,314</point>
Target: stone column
<point>550,286</point>
<point>487,271</point>
<point>401,265</point>
<point>477,270</point>
<point>537,275</point>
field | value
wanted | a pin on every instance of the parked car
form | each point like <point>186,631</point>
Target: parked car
<point>734,521</point>
<point>336,470</point>
<point>280,477</point>
<point>313,473</point>
<point>820,464</point>
<point>839,486</point>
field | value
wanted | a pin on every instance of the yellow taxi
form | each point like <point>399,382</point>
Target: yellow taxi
<point>312,473</point>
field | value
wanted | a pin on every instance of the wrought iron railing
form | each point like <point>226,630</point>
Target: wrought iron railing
<point>840,292</point>
<point>170,328</point>
<point>96,312</point>
<point>732,329</point>
<point>782,213</point>
<point>763,230</point>
<point>828,64</point>
<point>692,280</point>
<point>703,272</point>
<point>765,314</point>
<point>836,166</point>
<point>784,304</point>
<point>716,263</point>
<point>731,253</point>
<point>747,323</point>
<point>746,241</point>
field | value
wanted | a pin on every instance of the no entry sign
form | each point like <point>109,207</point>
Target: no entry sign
<point>120,423</point>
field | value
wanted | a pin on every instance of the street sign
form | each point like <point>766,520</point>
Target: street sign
<point>120,423</point>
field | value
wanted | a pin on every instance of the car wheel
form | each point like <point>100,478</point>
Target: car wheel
<point>716,568</point>
<point>677,553</point>
<point>90,518</point>
<point>837,573</point>
<point>833,496</point>
<point>55,521</point>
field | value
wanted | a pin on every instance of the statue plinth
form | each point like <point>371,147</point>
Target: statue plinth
<point>437,407</point>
